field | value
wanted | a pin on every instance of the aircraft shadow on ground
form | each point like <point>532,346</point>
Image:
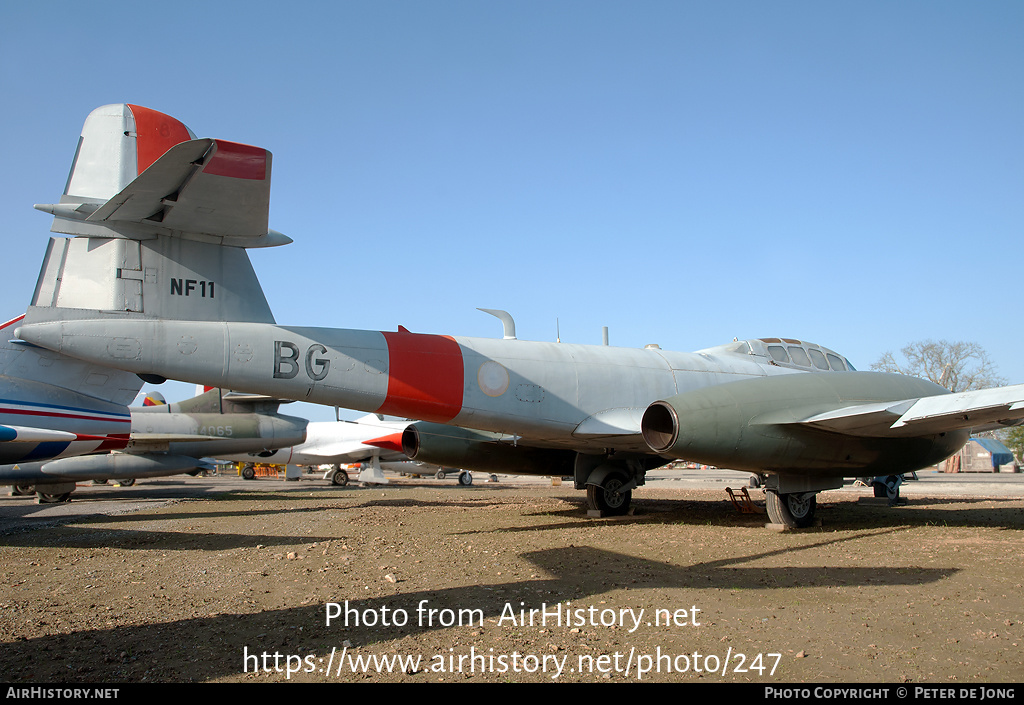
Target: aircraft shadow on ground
<point>145,540</point>
<point>212,647</point>
<point>918,513</point>
<point>92,519</point>
<point>839,516</point>
<point>426,504</point>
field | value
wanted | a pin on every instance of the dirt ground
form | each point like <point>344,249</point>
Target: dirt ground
<point>240,587</point>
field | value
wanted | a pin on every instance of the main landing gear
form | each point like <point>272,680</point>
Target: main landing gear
<point>609,487</point>
<point>794,510</point>
<point>791,498</point>
<point>610,498</point>
<point>887,487</point>
<point>465,476</point>
<point>339,478</point>
<point>52,497</point>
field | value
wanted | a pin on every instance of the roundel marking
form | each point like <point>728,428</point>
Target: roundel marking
<point>492,378</point>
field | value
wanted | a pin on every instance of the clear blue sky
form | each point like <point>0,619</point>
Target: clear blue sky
<point>847,173</point>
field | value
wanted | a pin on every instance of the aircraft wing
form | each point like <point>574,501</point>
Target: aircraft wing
<point>926,415</point>
<point>619,427</point>
<point>200,186</point>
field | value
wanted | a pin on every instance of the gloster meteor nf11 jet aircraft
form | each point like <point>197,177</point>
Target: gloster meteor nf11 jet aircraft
<point>157,281</point>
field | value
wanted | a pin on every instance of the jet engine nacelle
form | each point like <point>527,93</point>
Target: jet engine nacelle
<point>755,425</point>
<point>484,451</point>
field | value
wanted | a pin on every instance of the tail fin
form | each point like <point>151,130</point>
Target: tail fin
<point>118,143</point>
<point>161,221</point>
<point>213,400</point>
<point>154,399</point>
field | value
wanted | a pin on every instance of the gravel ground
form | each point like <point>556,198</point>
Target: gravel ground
<point>238,586</point>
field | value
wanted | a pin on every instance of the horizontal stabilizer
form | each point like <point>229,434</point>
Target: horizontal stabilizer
<point>139,172</point>
<point>143,197</point>
<point>209,187</point>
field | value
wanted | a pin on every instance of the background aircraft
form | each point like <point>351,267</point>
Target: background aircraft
<point>371,440</point>
<point>168,439</point>
<point>54,408</point>
<point>157,282</point>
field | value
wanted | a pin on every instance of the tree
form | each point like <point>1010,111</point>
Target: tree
<point>958,366</point>
<point>1014,440</point>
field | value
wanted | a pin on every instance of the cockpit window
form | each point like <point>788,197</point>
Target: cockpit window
<point>790,351</point>
<point>799,356</point>
<point>835,362</point>
<point>819,359</point>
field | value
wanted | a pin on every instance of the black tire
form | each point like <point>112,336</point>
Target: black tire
<point>126,482</point>
<point>100,482</point>
<point>465,479</point>
<point>22,490</point>
<point>609,498</point>
<point>248,472</point>
<point>884,489</point>
<point>51,498</point>
<point>440,475</point>
<point>754,482</point>
<point>795,511</point>
<point>339,478</point>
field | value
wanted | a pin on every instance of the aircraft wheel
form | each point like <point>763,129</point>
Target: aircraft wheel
<point>248,472</point>
<point>100,482</point>
<point>610,499</point>
<point>754,482</point>
<point>126,482</point>
<point>339,478</point>
<point>51,498</point>
<point>794,510</point>
<point>22,490</point>
<point>440,475</point>
<point>465,479</point>
<point>885,489</point>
